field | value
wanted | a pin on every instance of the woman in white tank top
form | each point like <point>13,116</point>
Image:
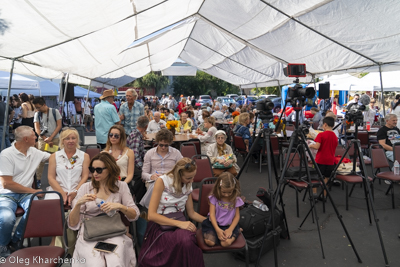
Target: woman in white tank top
<point>125,158</point>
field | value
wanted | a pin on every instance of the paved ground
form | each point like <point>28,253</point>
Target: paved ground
<point>303,249</point>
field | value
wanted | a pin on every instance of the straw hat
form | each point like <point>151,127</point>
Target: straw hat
<point>107,93</point>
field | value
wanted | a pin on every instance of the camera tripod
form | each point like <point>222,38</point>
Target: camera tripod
<point>265,135</point>
<point>366,183</point>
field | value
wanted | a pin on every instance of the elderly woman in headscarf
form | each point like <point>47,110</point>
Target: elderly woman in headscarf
<point>221,155</point>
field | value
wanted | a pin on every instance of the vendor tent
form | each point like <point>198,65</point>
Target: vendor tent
<point>18,82</point>
<point>390,81</point>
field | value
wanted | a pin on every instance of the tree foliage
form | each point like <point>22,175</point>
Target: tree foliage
<point>151,80</point>
<point>202,84</point>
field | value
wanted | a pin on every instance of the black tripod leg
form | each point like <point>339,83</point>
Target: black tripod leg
<point>367,186</point>
<point>333,204</point>
<point>253,147</point>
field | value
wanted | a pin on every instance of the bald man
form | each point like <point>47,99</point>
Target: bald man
<point>156,124</point>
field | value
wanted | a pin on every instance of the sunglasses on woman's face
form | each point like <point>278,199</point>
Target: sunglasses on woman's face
<point>116,136</point>
<point>98,170</point>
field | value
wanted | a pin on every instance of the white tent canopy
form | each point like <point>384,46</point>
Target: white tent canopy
<point>246,43</point>
<point>345,82</point>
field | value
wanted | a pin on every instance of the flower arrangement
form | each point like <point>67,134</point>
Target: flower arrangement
<point>172,124</point>
<point>235,113</point>
<point>162,116</point>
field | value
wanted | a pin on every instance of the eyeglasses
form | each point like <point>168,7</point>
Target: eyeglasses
<point>162,145</point>
<point>116,136</point>
<point>373,102</point>
<point>98,170</point>
<point>188,165</point>
<point>220,137</point>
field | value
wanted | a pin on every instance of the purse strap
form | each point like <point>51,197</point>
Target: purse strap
<point>170,207</point>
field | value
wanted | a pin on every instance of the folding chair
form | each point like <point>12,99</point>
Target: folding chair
<point>188,149</point>
<point>297,185</point>
<point>379,161</point>
<point>196,141</point>
<point>396,152</point>
<point>238,245</point>
<point>204,170</point>
<point>240,148</point>
<point>276,150</point>
<point>93,150</point>
<point>45,218</point>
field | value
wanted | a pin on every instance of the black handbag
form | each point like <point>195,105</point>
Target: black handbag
<point>179,216</point>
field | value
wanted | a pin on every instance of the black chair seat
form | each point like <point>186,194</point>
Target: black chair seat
<point>238,244</point>
<point>40,252</point>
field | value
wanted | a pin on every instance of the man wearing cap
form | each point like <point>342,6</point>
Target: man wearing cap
<point>105,116</point>
<point>130,111</point>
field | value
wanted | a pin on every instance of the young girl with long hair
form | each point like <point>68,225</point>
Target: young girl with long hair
<point>221,226</point>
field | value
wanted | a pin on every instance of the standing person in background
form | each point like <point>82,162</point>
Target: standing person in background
<point>393,103</point>
<point>17,119</point>
<point>88,116</point>
<point>182,106</point>
<point>170,102</point>
<point>3,107</point>
<point>105,117</point>
<point>48,126</point>
<point>188,101</point>
<point>78,108</point>
<point>130,111</point>
<point>396,110</point>
<point>369,115</point>
<point>193,102</point>
<point>28,111</point>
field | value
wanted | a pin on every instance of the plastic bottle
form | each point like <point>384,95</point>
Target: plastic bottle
<point>260,205</point>
<point>181,130</point>
<point>396,168</point>
<point>100,202</point>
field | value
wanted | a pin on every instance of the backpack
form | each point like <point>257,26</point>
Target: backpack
<point>54,115</point>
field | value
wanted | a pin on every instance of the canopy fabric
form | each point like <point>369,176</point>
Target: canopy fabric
<point>18,82</point>
<point>246,43</point>
<point>180,71</point>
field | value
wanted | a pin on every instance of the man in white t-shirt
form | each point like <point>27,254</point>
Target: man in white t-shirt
<point>217,114</point>
<point>17,170</point>
<point>88,116</point>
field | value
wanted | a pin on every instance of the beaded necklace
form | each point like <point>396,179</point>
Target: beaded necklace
<point>72,160</point>
<point>120,155</point>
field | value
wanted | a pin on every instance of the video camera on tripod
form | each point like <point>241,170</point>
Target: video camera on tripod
<point>355,114</point>
<point>264,108</point>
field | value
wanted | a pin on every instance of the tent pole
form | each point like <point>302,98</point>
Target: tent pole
<point>65,94</point>
<point>60,95</point>
<point>5,128</point>
<point>383,99</point>
<point>280,89</point>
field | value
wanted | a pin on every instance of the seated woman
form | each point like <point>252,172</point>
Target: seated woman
<point>207,138</point>
<point>202,129</point>
<point>242,129</point>
<point>185,123</point>
<point>172,193</point>
<point>124,156</point>
<point>317,115</point>
<point>148,113</point>
<point>222,154</point>
<point>68,170</point>
<point>104,185</point>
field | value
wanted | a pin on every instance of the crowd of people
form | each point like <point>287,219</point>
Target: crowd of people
<point>128,172</point>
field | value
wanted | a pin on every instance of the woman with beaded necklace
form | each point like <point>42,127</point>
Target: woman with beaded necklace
<point>124,156</point>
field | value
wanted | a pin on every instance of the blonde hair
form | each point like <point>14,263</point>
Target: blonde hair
<point>228,181</point>
<point>183,165</point>
<point>210,120</point>
<point>243,118</point>
<point>65,133</point>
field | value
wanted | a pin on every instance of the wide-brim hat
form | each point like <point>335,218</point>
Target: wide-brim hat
<point>107,93</point>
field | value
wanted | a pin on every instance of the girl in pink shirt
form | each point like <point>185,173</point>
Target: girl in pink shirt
<point>221,226</point>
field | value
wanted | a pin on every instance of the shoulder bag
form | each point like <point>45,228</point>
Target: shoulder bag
<point>178,215</point>
<point>102,227</point>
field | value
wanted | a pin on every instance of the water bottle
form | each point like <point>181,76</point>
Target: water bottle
<point>260,205</point>
<point>100,202</point>
<point>181,130</point>
<point>396,166</point>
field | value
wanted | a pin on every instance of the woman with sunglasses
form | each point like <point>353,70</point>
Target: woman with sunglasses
<point>124,156</point>
<point>172,193</point>
<point>116,194</point>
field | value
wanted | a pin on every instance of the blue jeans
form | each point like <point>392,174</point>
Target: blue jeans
<point>7,140</point>
<point>389,155</point>
<point>8,205</point>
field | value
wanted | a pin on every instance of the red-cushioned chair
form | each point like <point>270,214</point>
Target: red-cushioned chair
<point>298,186</point>
<point>196,141</point>
<point>396,152</point>
<point>188,149</point>
<point>203,208</point>
<point>276,150</point>
<point>380,161</point>
<point>45,218</point>
<point>204,170</point>
<point>92,150</point>
<point>364,141</point>
<point>240,148</point>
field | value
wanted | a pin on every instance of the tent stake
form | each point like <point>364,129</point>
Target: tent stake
<point>5,128</point>
<point>383,99</point>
